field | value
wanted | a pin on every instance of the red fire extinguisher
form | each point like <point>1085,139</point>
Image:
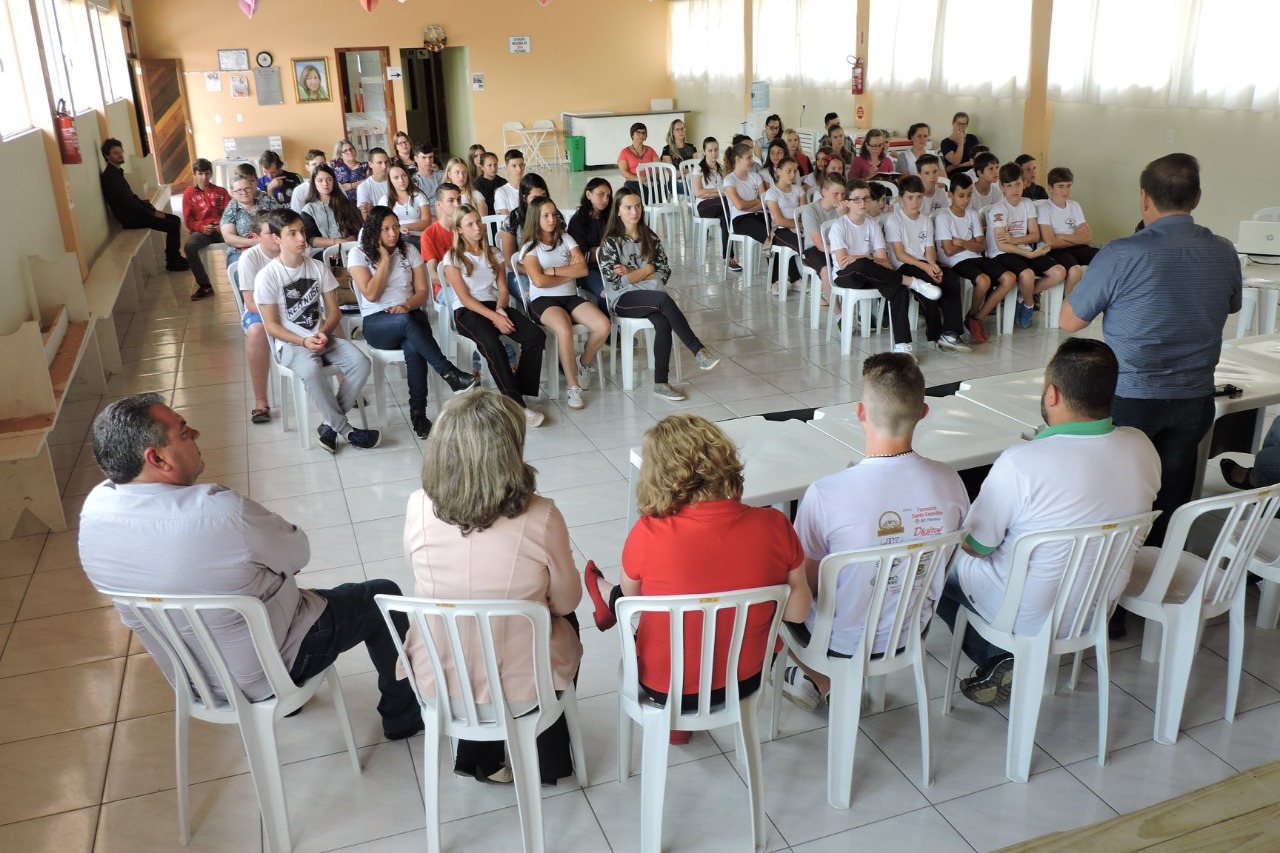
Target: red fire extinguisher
<point>68,140</point>
<point>859,74</point>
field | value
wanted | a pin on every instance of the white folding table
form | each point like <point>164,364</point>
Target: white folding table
<point>1014,395</point>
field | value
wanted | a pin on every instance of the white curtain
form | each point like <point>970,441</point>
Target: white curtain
<point>706,44</point>
<point>14,116</point>
<point>1214,54</point>
<point>902,37</point>
<point>803,43</point>
<point>980,53</point>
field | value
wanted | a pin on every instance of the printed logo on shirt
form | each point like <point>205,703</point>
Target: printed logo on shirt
<point>890,525</point>
<point>1071,222</point>
<point>997,218</point>
<point>302,303</point>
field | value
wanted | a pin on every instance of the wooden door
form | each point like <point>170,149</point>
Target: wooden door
<point>366,129</point>
<point>168,121</point>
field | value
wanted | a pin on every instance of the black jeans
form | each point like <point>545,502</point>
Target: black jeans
<point>515,384</point>
<point>171,226</point>
<point>946,313</point>
<point>194,244</point>
<point>665,315</point>
<point>1176,428</point>
<point>352,617</point>
<point>411,333</point>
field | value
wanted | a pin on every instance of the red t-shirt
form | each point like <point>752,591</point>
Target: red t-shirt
<point>713,546</point>
<point>437,240</point>
<point>628,154</point>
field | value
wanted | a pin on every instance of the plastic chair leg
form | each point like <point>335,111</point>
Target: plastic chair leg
<point>653,782</point>
<point>628,347</point>
<point>842,738</point>
<point>259,733</point>
<point>922,707</point>
<point>522,748</point>
<point>749,753</point>
<point>431,783</point>
<point>300,412</point>
<point>181,724</point>
<point>340,706</point>
<point>380,390</point>
<point>1235,650</point>
<point>1181,630</point>
<point>574,723</point>
<point>779,670</point>
<point>624,743</point>
<point>1269,605</point>
<point>953,661</point>
<point>1030,666</point>
<point>848,315</point>
<point>1102,659</point>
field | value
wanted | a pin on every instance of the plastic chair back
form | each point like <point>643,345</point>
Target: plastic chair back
<point>233,276</point>
<point>888,185</point>
<point>493,223</point>
<point>657,184</point>
<point>1266,214</point>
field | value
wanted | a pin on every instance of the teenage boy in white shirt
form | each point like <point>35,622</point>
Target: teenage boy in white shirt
<point>295,295</point>
<point>846,511</point>
<point>1064,227</point>
<point>374,188</point>
<point>428,176</point>
<point>1013,240</point>
<point>957,230</point>
<point>929,169</point>
<point>862,262</point>
<point>811,218</point>
<point>1080,470</point>
<point>299,198</point>
<point>507,198</point>
<point>257,346</point>
<point>986,181</point>
<point>908,231</point>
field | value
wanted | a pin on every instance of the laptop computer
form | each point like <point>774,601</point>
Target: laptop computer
<point>1260,241</point>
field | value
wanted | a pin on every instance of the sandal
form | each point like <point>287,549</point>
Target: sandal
<point>591,578</point>
<point>260,416</point>
<point>1237,476</point>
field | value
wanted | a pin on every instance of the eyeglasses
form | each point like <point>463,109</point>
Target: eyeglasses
<point>859,199</point>
<point>242,190</point>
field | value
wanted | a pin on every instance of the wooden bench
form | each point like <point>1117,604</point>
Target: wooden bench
<point>44,356</point>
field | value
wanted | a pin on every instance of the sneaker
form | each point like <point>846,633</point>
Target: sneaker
<point>706,360</point>
<point>951,343</point>
<point>1022,315</point>
<point>365,439</point>
<point>204,291</point>
<point>575,397</point>
<point>666,392</point>
<point>534,418</point>
<point>177,265</point>
<point>420,423</point>
<point>475,363</point>
<point>977,329</point>
<point>586,374</point>
<point>328,437</point>
<point>926,289</point>
<point>733,265</point>
<point>990,684</point>
<point>459,381</point>
<point>905,348</point>
<point>800,690</point>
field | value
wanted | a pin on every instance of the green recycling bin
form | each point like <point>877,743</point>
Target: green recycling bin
<point>576,148</point>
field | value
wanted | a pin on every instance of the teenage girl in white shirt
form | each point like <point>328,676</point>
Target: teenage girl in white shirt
<point>743,189</point>
<point>457,173</point>
<point>783,199</point>
<point>705,184</point>
<point>408,202</point>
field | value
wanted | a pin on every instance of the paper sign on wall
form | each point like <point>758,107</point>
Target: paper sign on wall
<point>477,82</point>
<point>519,44</point>
<point>270,90</point>
<point>274,143</point>
<point>394,72</point>
<point>212,81</point>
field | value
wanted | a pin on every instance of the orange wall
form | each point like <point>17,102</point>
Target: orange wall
<point>574,63</point>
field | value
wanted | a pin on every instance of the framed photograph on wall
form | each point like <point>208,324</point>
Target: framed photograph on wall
<point>311,80</point>
<point>233,60</point>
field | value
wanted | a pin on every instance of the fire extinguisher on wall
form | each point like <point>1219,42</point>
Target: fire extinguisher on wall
<point>68,140</point>
<point>859,74</point>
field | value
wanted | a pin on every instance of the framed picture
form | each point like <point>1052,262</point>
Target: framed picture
<point>239,85</point>
<point>311,80</point>
<point>233,60</point>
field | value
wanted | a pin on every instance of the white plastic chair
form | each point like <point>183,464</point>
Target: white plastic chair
<point>688,203</point>
<point>920,560</point>
<point>658,194</point>
<point>658,721</point>
<point>700,227</point>
<point>747,248</point>
<point>1097,557</point>
<point>779,258</point>
<point>1266,565</point>
<point>811,281</point>
<point>552,360</point>
<point>890,186</point>
<point>853,301</point>
<point>273,377</point>
<point>513,127</point>
<point>1177,591</point>
<point>295,390</point>
<point>204,688</point>
<point>1266,214</point>
<point>350,322</point>
<point>469,720</point>
<point>541,132</point>
<point>493,223</point>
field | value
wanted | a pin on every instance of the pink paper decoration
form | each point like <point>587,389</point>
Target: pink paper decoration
<point>368,4</point>
<point>249,7</point>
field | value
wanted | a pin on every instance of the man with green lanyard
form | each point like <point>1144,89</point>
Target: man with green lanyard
<point>1080,469</point>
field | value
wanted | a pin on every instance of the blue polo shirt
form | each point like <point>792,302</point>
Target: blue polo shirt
<point>1166,292</point>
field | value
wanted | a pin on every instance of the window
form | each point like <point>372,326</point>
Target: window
<point>15,116</point>
<point>803,42</point>
<point>706,44</point>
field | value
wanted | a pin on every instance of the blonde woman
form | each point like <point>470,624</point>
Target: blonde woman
<point>695,535</point>
<point>473,271</point>
<point>457,173</point>
<point>477,530</point>
<point>792,138</point>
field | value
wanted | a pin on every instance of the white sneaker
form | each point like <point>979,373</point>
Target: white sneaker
<point>799,689</point>
<point>666,392</point>
<point>905,348</point>
<point>951,343</point>
<point>534,418</point>
<point>586,374</point>
<point>926,289</point>
<point>575,397</point>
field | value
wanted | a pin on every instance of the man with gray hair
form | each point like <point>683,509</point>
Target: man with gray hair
<point>892,495</point>
<point>151,528</point>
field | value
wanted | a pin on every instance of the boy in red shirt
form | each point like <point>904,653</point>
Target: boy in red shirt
<point>202,207</point>
<point>437,240</point>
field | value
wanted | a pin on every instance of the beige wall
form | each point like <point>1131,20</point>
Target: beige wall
<point>26,228</point>
<point>574,63</point>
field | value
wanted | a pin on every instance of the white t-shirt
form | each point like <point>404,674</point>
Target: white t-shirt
<point>483,282</point>
<point>370,191</point>
<point>429,185</point>
<point>410,211</point>
<point>748,189</point>
<point>860,240</point>
<point>980,201</point>
<point>1015,220</point>
<point>299,197</point>
<point>1058,480</point>
<point>1063,220</point>
<point>915,235</point>
<point>788,201</point>
<point>948,226</point>
<point>935,202</point>
<point>907,161</point>
<point>252,260</point>
<point>560,255</point>
<point>399,287</point>
<point>879,501</point>
<point>697,181</point>
<point>296,292</point>
<point>506,198</point>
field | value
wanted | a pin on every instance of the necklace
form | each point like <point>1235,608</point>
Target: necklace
<point>887,455</point>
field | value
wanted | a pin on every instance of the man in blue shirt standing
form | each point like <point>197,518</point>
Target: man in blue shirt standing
<point>1166,292</point>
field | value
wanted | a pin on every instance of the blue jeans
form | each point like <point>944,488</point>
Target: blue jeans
<point>1175,427</point>
<point>410,332</point>
<point>352,617</point>
<point>1266,467</point>
<point>953,598</point>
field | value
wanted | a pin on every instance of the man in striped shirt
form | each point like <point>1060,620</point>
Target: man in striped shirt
<point>1166,292</point>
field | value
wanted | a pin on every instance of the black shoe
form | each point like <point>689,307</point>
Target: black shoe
<point>990,684</point>
<point>420,422</point>
<point>1116,628</point>
<point>365,439</point>
<point>412,730</point>
<point>1236,475</point>
<point>459,381</point>
<point>202,292</point>
<point>328,437</point>
<point>177,265</point>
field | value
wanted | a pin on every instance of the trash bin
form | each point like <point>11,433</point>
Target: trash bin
<point>576,148</point>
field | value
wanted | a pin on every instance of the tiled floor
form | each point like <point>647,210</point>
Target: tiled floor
<point>86,733</point>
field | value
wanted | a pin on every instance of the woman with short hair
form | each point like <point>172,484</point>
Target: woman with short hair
<point>347,166</point>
